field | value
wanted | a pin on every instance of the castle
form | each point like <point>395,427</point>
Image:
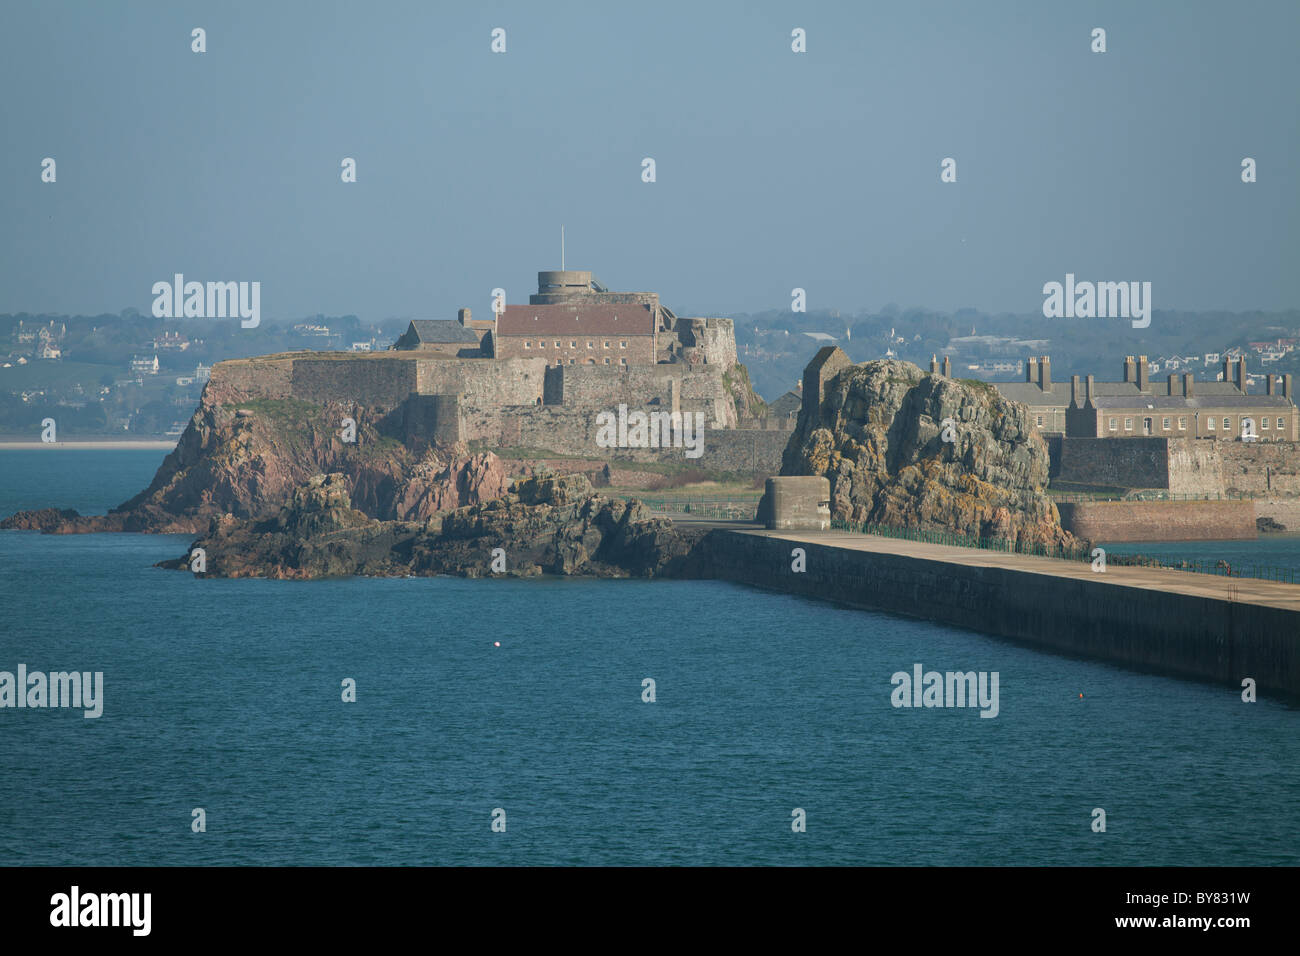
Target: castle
<point>534,377</point>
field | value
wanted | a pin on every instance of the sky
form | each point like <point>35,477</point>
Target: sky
<point>774,169</point>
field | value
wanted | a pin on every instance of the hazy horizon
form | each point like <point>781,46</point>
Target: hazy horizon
<point>774,169</point>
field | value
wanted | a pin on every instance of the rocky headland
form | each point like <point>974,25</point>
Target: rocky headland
<point>271,489</point>
<point>543,525</point>
<point>246,460</point>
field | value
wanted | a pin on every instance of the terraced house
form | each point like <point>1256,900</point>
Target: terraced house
<point>1138,406</point>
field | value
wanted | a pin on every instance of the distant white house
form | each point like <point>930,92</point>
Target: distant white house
<point>361,346</point>
<point>145,366</point>
<point>202,373</point>
<point>1211,358</point>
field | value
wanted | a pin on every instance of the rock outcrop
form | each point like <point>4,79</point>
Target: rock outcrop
<point>544,525</point>
<point>878,435</point>
<point>246,460</point>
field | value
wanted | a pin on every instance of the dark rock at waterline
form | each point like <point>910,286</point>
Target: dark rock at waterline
<point>544,525</point>
<point>1266,525</point>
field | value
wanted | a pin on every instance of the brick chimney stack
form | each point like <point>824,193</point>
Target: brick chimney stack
<point>1130,371</point>
<point>947,367</point>
<point>1088,384</point>
<point>1269,383</point>
<point>1143,375</point>
<point>1045,373</point>
<point>1286,386</point>
<point>1187,384</point>
<point>1074,390</point>
<point>1242,381</point>
<point>934,365</point>
<point>1031,368</point>
<point>1172,376</point>
<point>1227,370</point>
<point>463,317</point>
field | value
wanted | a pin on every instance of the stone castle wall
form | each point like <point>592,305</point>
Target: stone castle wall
<point>511,403</point>
<point>1233,467</point>
<point>380,382</point>
<point>1125,463</point>
<point>518,381</point>
<point>245,379</point>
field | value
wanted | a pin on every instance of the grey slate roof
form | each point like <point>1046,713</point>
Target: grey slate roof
<point>787,404</point>
<point>1029,393</point>
<point>1196,402</point>
<point>438,331</point>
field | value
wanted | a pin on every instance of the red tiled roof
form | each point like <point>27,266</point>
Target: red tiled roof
<point>629,319</point>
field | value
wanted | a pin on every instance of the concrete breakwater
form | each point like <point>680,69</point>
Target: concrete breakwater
<point>1184,624</point>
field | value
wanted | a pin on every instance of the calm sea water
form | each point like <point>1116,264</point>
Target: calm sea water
<point>225,695</point>
<point>1267,551</point>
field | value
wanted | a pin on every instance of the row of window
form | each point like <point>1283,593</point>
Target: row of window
<point>573,344</point>
<point>590,361</point>
<point>1182,424</point>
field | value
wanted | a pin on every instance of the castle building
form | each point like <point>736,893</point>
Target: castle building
<point>579,334</point>
<point>1138,406</point>
<point>444,337</point>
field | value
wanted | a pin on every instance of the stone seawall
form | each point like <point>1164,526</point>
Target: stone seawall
<point>1285,511</point>
<point>1159,520</point>
<point>1191,628</point>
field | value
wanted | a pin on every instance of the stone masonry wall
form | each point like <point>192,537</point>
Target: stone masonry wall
<point>244,379</point>
<point>378,381</point>
<point>1218,467</point>
<point>1100,521</point>
<point>1126,463</point>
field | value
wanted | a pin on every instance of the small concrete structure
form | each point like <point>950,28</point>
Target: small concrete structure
<point>798,503</point>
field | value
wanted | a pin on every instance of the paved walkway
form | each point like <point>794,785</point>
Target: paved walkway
<point>1243,590</point>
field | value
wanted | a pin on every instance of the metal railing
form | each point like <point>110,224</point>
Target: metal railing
<point>710,506</point>
<point>1223,568</point>
<point>1156,494</point>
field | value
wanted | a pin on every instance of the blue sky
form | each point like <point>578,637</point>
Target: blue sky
<point>774,169</point>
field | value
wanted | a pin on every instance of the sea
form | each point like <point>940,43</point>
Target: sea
<point>509,722</point>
